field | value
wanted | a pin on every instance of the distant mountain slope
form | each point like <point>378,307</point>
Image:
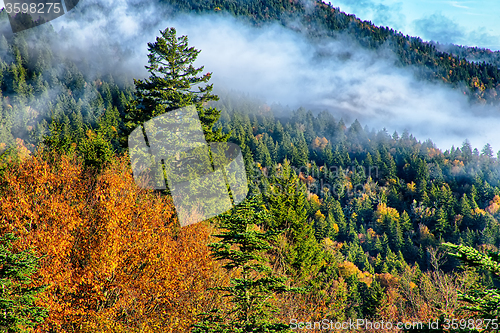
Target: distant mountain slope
<point>473,54</point>
<point>479,80</point>
<point>40,83</point>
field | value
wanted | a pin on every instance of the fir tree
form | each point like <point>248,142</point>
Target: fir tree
<point>486,303</point>
<point>242,247</point>
<point>172,85</point>
<point>18,313</point>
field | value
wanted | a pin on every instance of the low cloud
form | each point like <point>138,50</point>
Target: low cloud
<point>281,66</point>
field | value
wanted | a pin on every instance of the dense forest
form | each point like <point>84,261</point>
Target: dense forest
<point>341,223</point>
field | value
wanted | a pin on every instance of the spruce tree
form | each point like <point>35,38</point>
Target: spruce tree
<point>287,205</point>
<point>173,83</point>
<point>483,302</point>
<point>18,313</point>
<point>242,247</point>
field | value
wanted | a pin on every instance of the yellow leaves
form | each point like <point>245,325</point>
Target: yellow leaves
<point>335,228</point>
<point>90,133</point>
<point>22,151</point>
<point>385,214</point>
<point>411,187</point>
<point>433,152</point>
<point>109,247</point>
<point>330,245</point>
<point>366,278</point>
<point>318,215</point>
<point>347,269</point>
<point>319,143</point>
<point>315,200</point>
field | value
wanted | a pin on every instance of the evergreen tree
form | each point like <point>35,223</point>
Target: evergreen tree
<point>300,156</point>
<point>487,150</point>
<point>372,297</point>
<point>405,223</point>
<point>484,302</point>
<point>466,211</point>
<point>171,85</point>
<point>18,313</point>
<point>286,203</point>
<point>396,234</point>
<point>442,224</point>
<point>96,150</point>
<point>242,248</point>
<point>338,216</point>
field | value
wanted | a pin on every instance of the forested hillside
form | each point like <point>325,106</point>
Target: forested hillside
<point>479,80</point>
<point>40,84</point>
<point>342,222</point>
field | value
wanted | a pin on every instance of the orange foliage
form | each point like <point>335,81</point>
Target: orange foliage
<point>306,180</point>
<point>113,256</point>
<point>314,199</point>
<point>433,152</point>
<point>347,269</point>
<point>425,235</point>
<point>387,280</point>
<point>319,143</point>
<point>494,206</point>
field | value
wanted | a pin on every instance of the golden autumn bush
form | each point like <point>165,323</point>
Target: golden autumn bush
<point>113,256</point>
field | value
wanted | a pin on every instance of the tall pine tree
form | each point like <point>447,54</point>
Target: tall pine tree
<point>173,83</point>
<point>242,247</point>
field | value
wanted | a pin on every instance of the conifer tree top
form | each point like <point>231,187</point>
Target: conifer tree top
<point>173,82</point>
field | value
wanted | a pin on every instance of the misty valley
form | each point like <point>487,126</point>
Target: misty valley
<point>372,163</point>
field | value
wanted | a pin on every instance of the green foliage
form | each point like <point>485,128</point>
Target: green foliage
<point>322,180</point>
<point>173,83</point>
<point>96,150</point>
<point>486,303</point>
<point>286,204</point>
<point>242,248</point>
<point>18,313</point>
<point>372,297</point>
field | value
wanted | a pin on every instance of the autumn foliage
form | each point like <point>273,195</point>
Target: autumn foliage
<point>113,257</point>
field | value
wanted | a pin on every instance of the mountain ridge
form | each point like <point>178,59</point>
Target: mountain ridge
<point>480,81</point>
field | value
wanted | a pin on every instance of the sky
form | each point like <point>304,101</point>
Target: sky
<point>462,22</point>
